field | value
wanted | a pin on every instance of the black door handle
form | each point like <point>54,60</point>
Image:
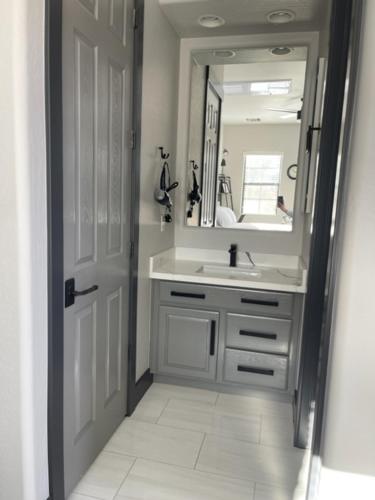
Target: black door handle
<point>71,293</point>
<point>85,292</point>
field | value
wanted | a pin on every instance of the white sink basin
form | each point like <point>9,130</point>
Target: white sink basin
<point>243,272</point>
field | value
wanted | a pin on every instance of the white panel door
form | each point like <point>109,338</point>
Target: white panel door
<point>97,71</point>
<point>210,156</point>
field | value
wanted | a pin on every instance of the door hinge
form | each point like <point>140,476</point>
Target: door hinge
<point>132,139</point>
<point>309,137</point>
<point>134,18</point>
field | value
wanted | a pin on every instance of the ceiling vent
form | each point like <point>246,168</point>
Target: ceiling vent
<point>281,51</point>
<point>281,16</point>
<point>224,54</point>
<point>211,21</point>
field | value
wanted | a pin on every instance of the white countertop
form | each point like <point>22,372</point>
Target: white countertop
<point>278,272</point>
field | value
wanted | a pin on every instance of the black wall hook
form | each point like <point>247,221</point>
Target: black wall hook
<point>194,166</point>
<point>163,155</point>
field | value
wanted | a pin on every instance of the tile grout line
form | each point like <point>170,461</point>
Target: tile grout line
<point>208,473</point>
<point>84,495</point>
<point>199,451</point>
<point>255,490</point>
<point>123,481</point>
<point>157,461</point>
<point>162,411</point>
<point>90,497</point>
<point>260,429</point>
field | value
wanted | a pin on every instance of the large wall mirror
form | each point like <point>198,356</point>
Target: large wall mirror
<point>244,154</point>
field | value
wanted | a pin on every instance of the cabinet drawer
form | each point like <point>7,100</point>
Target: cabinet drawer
<point>185,293</point>
<point>258,302</point>
<point>258,333</point>
<point>252,368</point>
<point>241,300</point>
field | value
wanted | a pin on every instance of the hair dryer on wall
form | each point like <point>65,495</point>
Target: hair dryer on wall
<point>162,192</point>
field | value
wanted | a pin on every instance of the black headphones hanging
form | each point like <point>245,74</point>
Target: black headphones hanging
<point>194,196</point>
<point>165,186</point>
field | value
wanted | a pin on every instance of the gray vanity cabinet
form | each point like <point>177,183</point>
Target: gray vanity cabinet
<point>188,342</point>
<point>236,337</point>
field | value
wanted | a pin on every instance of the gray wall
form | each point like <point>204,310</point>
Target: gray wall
<point>160,81</point>
<point>349,432</point>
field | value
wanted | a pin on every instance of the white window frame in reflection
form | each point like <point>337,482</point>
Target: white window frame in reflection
<point>260,184</point>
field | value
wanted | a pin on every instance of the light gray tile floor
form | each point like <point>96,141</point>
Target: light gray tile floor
<point>183,443</point>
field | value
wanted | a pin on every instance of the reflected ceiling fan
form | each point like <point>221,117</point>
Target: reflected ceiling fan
<point>297,112</point>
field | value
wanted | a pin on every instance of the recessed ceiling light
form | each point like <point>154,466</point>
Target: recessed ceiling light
<point>281,51</point>
<point>211,21</point>
<point>281,16</point>
<point>224,54</point>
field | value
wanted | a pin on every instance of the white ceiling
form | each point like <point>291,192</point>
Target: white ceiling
<point>238,108</point>
<point>242,16</point>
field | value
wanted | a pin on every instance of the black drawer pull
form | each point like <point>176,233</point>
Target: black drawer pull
<point>259,335</point>
<point>258,302</point>
<point>212,338</point>
<point>189,295</point>
<point>260,371</point>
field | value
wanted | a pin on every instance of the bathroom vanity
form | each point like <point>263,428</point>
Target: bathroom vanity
<point>237,327</point>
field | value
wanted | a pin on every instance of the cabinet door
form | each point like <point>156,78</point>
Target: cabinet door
<point>188,342</point>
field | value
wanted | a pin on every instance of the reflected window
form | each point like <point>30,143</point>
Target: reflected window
<point>275,87</point>
<point>261,181</point>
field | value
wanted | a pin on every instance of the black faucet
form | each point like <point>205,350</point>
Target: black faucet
<point>233,255</point>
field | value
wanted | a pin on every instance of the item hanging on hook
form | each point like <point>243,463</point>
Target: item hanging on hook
<point>167,216</point>
<point>162,193</point>
<point>195,196</point>
<point>164,155</point>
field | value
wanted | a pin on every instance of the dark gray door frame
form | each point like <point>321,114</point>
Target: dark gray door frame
<point>353,27</point>
<point>53,85</point>
<point>136,389</point>
<point>345,23</point>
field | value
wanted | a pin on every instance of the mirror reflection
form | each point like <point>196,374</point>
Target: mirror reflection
<point>245,118</point>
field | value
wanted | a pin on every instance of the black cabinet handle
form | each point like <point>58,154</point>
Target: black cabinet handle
<point>189,295</point>
<point>259,335</point>
<point>71,293</point>
<point>212,338</point>
<point>259,371</point>
<point>258,302</point>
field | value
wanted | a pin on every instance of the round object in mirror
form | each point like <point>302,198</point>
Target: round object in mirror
<point>281,16</point>
<point>224,54</point>
<point>292,171</point>
<point>281,51</point>
<point>211,21</point>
